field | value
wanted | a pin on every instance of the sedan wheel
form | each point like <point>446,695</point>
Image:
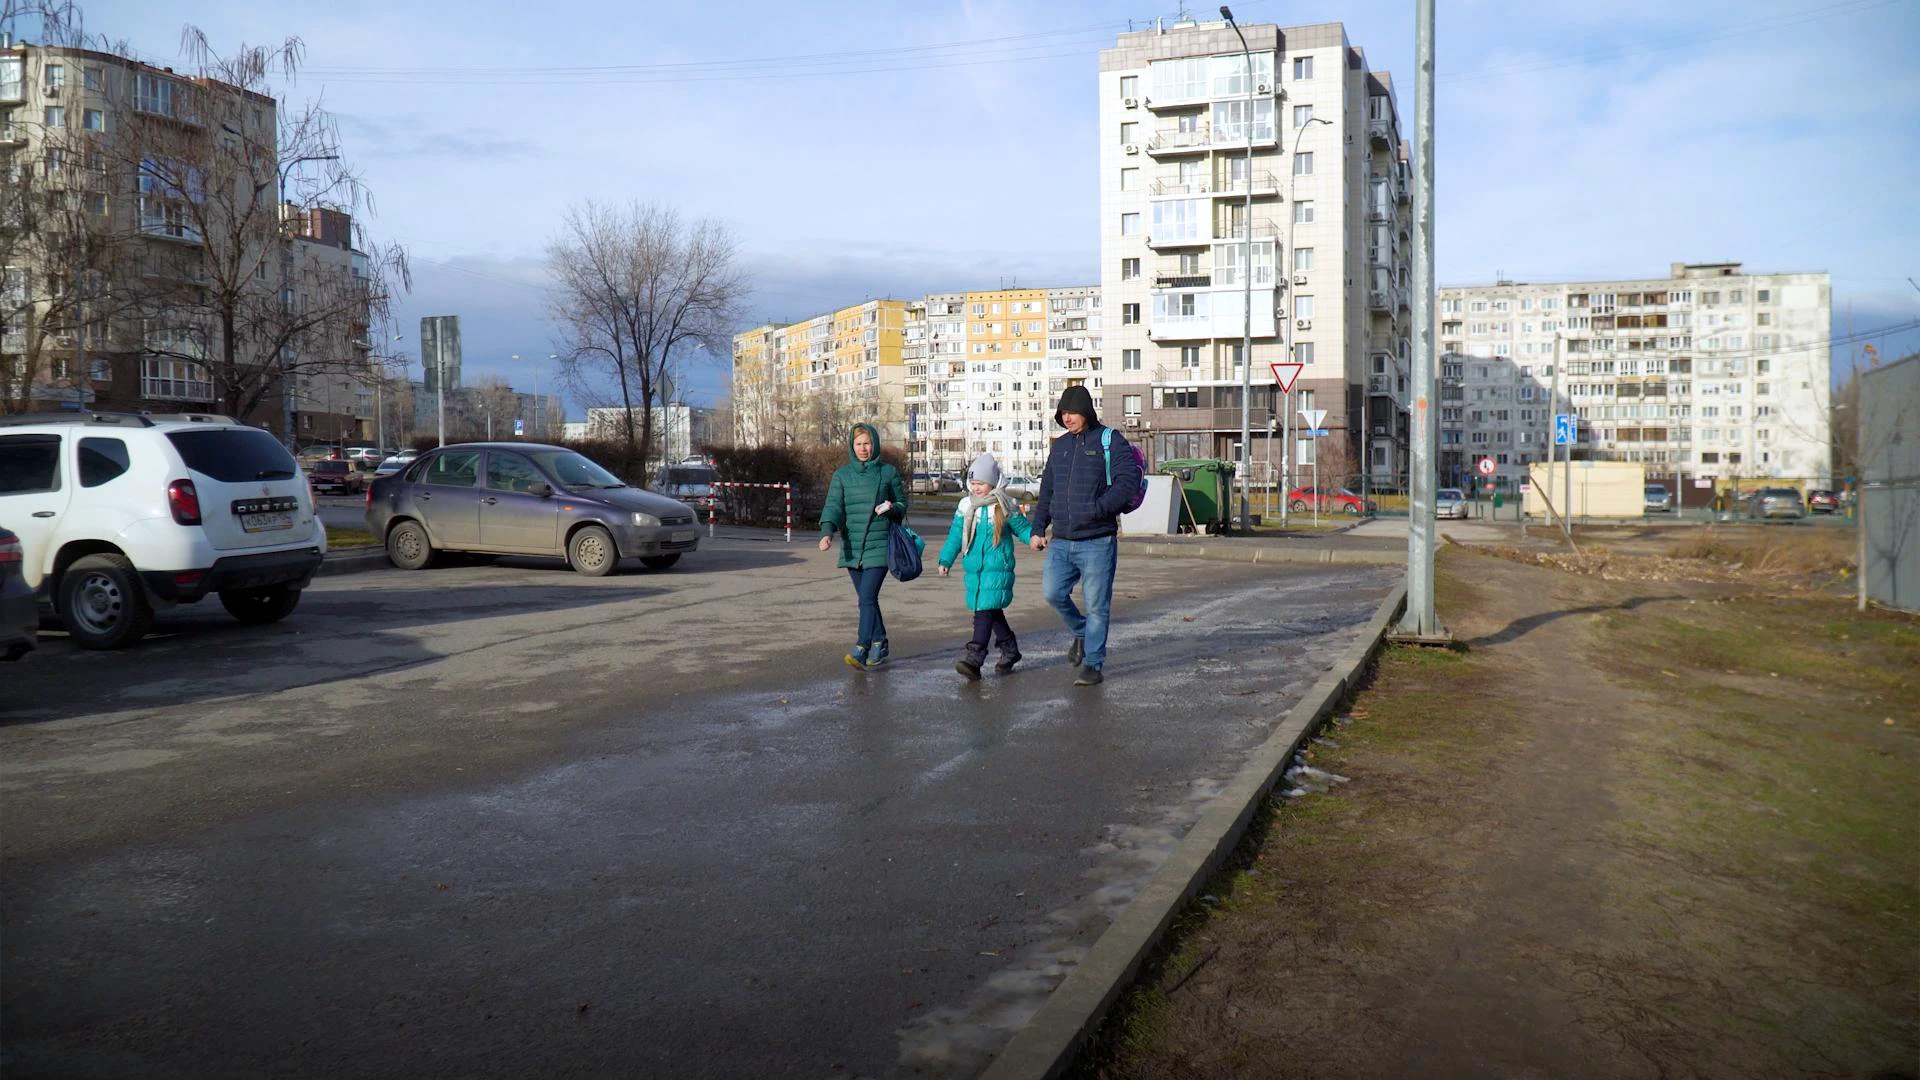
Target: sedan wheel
<point>1298,506</point>
<point>408,547</point>
<point>1353,510</point>
<point>591,552</point>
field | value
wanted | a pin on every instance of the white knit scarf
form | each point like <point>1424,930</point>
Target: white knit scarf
<point>972,504</point>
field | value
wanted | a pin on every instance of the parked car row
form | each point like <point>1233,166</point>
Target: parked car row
<point>110,518</point>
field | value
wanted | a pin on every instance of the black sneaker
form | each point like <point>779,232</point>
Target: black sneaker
<point>1089,676</point>
<point>967,667</point>
<point>1077,651</point>
<point>1005,666</point>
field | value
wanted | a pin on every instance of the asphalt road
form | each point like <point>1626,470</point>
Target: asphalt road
<point>507,821</point>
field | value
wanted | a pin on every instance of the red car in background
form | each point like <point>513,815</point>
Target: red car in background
<point>1339,500</point>
<point>1822,501</point>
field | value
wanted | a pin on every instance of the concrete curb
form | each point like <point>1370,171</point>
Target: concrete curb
<point>1048,1043</point>
<point>352,560</point>
<point>1229,551</point>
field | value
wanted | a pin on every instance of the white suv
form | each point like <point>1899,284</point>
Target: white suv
<point>121,514</point>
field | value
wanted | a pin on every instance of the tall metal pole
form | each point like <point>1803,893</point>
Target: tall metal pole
<point>440,384</point>
<point>1420,619</point>
<point>1553,446</point>
<point>1246,292</point>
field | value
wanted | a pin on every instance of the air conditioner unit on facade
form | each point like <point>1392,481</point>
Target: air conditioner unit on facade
<point>1303,324</point>
<point>1133,421</point>
<point>1299,279</point>
<point>1131,103</point>
<point>1263,88</point>
<point>1131,148</point>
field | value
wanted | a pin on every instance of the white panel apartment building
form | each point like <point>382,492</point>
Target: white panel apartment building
<point>985,369</point>
<point>1332,217</point>
<point>1710,371</point>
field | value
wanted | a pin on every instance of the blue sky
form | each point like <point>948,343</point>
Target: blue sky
<point>872,149</point>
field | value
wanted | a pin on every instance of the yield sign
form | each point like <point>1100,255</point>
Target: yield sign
<point>1314,417</point>
<point>1285,373</point>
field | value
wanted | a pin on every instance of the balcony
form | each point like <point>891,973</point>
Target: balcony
<point>1263,229</point>
<point>1403,298</point>
<point>1177,141</point>
<point>1381,133</point>
<point>1172,279</point>
<point>1377,300</point>
<point>1166,238</point>
<point>1377,209</point>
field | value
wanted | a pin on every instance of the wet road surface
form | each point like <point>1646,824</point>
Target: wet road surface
<point>506,821</point>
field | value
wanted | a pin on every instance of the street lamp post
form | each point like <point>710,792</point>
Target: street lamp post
<point>1246,292</point>
<point>1293,218</point>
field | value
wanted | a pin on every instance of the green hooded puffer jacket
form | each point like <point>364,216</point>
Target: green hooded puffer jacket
<point>858,487</point>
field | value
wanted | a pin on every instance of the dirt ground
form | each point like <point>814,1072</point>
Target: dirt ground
<point>1647,825</point>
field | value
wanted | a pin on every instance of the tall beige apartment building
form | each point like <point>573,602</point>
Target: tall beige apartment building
<point>1710,373</point>
<point>1330,243</point>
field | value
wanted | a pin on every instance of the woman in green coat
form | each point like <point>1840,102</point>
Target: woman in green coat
<point>865,498</point>
<point>982,536</point>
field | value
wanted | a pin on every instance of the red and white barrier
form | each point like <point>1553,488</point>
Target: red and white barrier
<point>712,511</point>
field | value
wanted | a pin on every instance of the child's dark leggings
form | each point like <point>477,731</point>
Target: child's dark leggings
<point>992,624</point>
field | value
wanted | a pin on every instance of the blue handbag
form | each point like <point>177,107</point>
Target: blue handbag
<point>903,552</point>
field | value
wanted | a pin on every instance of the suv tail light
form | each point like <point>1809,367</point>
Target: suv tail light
<point>184,502</point>
<point>10,551</point>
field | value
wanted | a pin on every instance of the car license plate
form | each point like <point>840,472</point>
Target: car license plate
<point>255,523</point>
<point>681,536</point>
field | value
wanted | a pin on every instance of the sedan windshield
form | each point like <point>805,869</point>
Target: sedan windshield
<point>1452,493</point>
<point>575,471</point>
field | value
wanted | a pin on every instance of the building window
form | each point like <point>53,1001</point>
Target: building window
<point>1129,179</point>
<point>1303,307</point>
<point>1303,212</point>
<point>174,380</point>
<point>1763,296</point>
<point>93,120</point>
<point>1129,224</point>
<point>1302,260</point>
<point>1129,314</point>
<point>1129,86</point>
<point>95,78</point>
<point>1130,405</point>
<point>1302,115</point>
<point>1190,357</point>
<point>1129,269</point>
<point>56,116</point>
<point>52,78</point>
<point>1129,133</point>
<point>1302,67</point>
<point>1129,359</point>
<point>1303,164</point>
<point>1303,352</point>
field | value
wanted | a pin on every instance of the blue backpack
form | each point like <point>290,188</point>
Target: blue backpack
<point>1140,459</point>
<point>903,552</point>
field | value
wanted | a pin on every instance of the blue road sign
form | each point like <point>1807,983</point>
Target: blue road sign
<point>1317,433</point>
<point>519,427</point>
<point>1564,429</point>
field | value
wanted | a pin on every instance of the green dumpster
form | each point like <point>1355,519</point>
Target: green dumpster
<point>1206,487</point>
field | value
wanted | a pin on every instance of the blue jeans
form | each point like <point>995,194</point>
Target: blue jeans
<point>1091,563</point>
<point>867,583</point>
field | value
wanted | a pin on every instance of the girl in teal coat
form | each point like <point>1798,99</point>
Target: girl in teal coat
<point>864,500</point>
<point>982,538</point>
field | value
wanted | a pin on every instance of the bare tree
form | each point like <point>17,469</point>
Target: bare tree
<point>498,404</point>
<point>233,183</point>
<point>638,293</point>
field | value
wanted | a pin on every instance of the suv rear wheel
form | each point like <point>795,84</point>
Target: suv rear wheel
<point>102,603</point>
<point>266,604</point>
<point>408,547</point>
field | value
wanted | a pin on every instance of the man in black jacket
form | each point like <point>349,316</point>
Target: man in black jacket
<point>1091,476</point>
